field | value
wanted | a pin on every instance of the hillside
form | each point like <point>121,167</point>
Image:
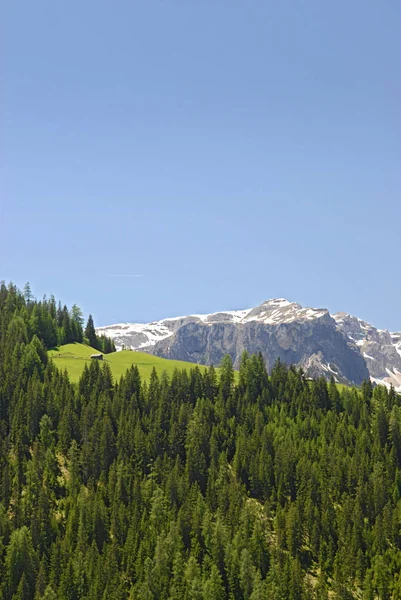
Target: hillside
<point>190,487</point>
<point>73,357</point>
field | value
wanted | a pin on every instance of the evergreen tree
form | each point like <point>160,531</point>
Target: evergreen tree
<point>90,333</point>
<point>28,292</point>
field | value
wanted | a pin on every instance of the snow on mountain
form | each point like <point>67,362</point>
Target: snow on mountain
<point>396,339</point>
<point>139,336</point>
<point>380,348</point>
<point>287,322</point>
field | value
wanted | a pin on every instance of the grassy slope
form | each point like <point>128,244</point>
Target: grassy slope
<point>73,357</point>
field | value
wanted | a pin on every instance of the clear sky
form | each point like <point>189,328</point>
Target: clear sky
<point>169,157</point>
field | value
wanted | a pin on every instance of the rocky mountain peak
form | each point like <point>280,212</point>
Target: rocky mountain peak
<point>338,345</point>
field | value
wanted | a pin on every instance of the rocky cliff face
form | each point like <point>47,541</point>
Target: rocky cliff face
<point>380,348</point>
<point>314,342</point>
<point>338,345</point>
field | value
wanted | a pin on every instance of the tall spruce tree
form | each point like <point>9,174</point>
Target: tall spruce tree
<point>90,333</point>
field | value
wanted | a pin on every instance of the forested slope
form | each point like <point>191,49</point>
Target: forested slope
<point>189,487</point>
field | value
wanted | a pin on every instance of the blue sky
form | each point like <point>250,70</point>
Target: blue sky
<point>171,157</point>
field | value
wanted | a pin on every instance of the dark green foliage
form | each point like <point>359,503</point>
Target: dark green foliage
<point>102,342</point>
<point>23,317</point>
<point>189,487</point>
<point>90,333</point>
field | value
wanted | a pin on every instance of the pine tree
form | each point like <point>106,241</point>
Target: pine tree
<point>28,292</point>
<point>213,588</point>
<point>90,333</point>
<point>21,561</point>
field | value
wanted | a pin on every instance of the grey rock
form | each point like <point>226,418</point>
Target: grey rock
<point>341,345</point>
<point>380,348</point>
<point>294,343</point>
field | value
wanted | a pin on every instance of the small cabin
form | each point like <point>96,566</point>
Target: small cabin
<point>97,356</point>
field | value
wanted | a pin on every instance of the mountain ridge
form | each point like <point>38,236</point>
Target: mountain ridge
<point>326,344</point>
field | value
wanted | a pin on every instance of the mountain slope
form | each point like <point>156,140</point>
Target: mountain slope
<point>339,345</point>
<point>380,348</point>
<point>74,357</point>
<point>298,337</point>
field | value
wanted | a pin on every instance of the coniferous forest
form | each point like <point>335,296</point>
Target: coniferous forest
<point>198,487</point>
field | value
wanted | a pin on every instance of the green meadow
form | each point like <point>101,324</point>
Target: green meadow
<point>74,357</point>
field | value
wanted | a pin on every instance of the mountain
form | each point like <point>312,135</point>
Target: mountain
<point>340,345</point>
<point>380,348</point>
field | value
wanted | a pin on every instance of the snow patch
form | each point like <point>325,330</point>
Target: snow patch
<point>147,333</point>
<point>272,312</point>
<point>380,382</point>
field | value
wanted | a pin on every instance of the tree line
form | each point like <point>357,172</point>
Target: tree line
<point>54,324</point>
<point>198,486</point>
